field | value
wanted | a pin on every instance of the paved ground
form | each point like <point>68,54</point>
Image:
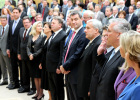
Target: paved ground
<point>6,94</point>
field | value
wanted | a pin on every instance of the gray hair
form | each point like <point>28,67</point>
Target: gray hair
<point>38,14</point>
<point>96,24</point>
<point>59,19</point>
<point>90,13</point>
<point>76,12</point>
<point>3,16</point>
<point>98,5</point>
<point>121,25</point>
<point>109,8</point>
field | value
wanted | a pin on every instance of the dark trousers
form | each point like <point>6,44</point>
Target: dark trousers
<point>56,85</point>
<point>15,71</point>
<point>72,91</point>
<point>27,74</point>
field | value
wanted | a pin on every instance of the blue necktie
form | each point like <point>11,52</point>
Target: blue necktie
<point>13,28</point>
<point>112,54</point>
<point>68,37</point>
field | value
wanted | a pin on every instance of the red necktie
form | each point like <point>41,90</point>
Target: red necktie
<point>25,34</point>
<point>43,12</point>
<point>33,21</point>
<point>105,51</point>
<point>69,45</point>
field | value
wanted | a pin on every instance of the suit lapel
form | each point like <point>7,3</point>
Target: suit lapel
<point>109,63</point>
<point>127,74</point>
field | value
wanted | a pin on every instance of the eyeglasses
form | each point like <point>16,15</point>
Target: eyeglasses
<point>103,36</point>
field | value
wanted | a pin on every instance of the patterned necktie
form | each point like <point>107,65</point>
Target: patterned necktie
<point>69,45</point>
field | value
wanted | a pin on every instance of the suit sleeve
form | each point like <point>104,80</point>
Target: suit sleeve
<point>28,46</point>
<point>8,40</point>
<point>19,41</point>
<point>40,50</point>
<point>135,22</point>
<point>79,49</point>
<point>101,59</point>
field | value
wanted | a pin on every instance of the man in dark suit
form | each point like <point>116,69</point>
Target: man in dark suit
<point>23,13</point>
<point>45,10</point>
<point>72,54</point>
<point>113,3</point>
<point>4,60</point>
<point>40,6</point>
<point>96,71</point>
<point>122,6</point>
<point>12,45</point>
<point>53,58</point>
<point>109,72</point>
<point>87,61</point>
<point>132,18</point>
<point>22,55</point>
<point>68,8</point>
<point>55,4</point>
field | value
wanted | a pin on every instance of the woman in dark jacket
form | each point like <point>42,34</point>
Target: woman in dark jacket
<point>34,49</point>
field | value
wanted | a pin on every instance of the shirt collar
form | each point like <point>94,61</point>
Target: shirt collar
<point>17,20</point>
<point>117,49</point>
<point>29,28</point>
<point>5,26</point>
<point>93,39</point>
<point>78,29</point>
<point>109,49</point>
<point>57,32</point>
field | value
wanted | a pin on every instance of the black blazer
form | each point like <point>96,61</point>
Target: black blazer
<point>108,75</point>
<point>65,12</point>
<point>54,52</point>
<point>95,78</point>
<point>39,8</point>
<point>133,21</point>
<point>12,41</point>
<point>75,51</point>
<point>23,14</point>
<point>22,44</point>
<point>86,65</point>
<point>37,46</point>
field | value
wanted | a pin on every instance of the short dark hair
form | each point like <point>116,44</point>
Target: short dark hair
<point>61,13</point>
<point>27,17</point>
<point>48,23</point>
<point>81,5</point>
<point>16,9</point>
<point>76,12</point>
<point>122,12</point>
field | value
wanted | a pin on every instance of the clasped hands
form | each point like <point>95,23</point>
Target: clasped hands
<point>62,70</point>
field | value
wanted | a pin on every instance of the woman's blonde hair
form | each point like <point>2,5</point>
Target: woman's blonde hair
<point>33,31</point>
<point>131,42</point>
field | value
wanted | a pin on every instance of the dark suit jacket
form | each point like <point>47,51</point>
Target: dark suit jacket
<point>23,14</point>
<point>22,44</point>
<point>65,11</point>
<point>125,9</point>
<point>38,45</point>
<point>133,21</point>
<point>93,4</point>
<point>54,53</point>
<point>45,13</point>
<point>39,8</point>
<point>12,41</point>
<point>86,65</point>
<point>103,9</point>
<point>95,78</point>
<point>75,51</point>
<point>108,75</point>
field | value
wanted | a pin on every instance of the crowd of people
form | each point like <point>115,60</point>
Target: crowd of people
<point>91,49</point>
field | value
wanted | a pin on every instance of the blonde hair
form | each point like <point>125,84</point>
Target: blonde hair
<point>33,31</point>
<point>131,43</point>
